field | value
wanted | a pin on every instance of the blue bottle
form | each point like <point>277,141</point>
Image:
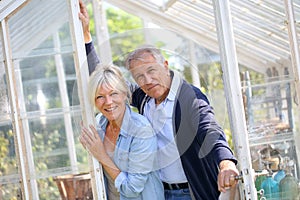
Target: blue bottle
<point>271,188</point>
<point>279,175</point>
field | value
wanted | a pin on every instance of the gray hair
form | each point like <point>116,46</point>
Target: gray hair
<point>110,76</point>
<point>138,54</point>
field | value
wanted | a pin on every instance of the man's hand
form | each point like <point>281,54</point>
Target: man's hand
<point>85,20</point>
<point>227,174</point>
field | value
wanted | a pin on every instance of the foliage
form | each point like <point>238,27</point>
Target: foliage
<point>119,21</point>
<point>8,164</point>
<point>229,138</point>
<point>122,40</point>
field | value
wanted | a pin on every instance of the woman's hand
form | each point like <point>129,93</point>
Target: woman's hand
<point>92,142</point>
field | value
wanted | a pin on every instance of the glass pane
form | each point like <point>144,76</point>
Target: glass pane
<point>9,177</point>
<point>260,33</point>
<point>48,103</point>
<point>262,39</point>
<point>41,89</point>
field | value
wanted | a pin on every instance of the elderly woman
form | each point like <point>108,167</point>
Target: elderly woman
<point>124,142</point>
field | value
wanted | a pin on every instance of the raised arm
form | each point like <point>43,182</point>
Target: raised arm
<point>92,57</point>
<point>85,21</point>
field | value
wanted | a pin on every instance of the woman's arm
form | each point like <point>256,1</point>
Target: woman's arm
<point>91,140</point>
<point>140,159</point>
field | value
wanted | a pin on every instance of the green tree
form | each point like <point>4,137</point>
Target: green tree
<point>125,32</point>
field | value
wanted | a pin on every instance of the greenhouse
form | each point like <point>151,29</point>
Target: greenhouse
<point>243,54</point>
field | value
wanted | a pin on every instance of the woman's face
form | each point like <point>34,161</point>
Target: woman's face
<point>111,103</point>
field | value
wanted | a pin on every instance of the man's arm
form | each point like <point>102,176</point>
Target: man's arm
<point>92,57</point>
<point>85,20</point>
<point>213,139</point>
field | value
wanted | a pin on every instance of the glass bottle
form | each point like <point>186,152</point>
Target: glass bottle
<point>271,188</point>
<point>280,174</point>
<point>288,186</point>
<point>258,181</point>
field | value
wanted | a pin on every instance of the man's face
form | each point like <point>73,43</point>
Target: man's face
<point>153,78</point>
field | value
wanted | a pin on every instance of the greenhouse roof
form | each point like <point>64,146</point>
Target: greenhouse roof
<point>260,26</point>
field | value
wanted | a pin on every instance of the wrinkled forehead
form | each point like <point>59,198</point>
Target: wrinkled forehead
<point>144,59</point>
<point>143,56</point>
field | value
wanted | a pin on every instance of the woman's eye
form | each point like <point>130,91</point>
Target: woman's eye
<point>99,97</point>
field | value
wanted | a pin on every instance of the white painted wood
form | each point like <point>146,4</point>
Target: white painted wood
<point>233,93</point>
<point>13,96</point>
<point>82,83</point>
<point>8,6</point>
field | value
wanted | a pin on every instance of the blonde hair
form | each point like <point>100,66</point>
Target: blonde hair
<point>110,76</point>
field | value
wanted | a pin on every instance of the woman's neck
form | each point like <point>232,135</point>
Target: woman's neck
<point>114,126</point>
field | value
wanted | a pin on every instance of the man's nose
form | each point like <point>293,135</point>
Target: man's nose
<point>147,78</point>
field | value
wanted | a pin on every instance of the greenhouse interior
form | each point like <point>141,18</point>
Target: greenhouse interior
<point>243,54</point>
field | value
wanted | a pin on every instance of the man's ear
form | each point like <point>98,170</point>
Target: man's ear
<point>166,64</point>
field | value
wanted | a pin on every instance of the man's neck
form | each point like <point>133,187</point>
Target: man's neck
<point>162,97</point>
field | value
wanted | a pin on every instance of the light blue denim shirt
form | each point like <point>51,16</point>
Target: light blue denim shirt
<point>135,156</point>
